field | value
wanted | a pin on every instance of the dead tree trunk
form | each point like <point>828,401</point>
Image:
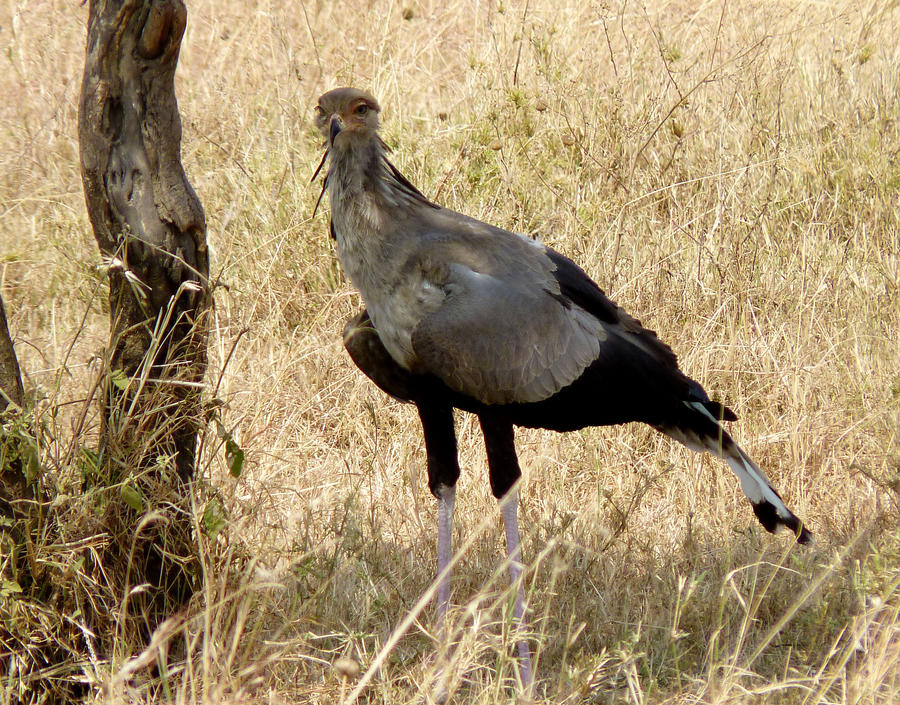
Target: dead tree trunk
<point>149,225</point>
<point>151,230</point>
<point>13,485</point>
<point>11,389</point>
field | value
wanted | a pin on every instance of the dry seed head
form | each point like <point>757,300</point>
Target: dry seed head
<point>346,668</point>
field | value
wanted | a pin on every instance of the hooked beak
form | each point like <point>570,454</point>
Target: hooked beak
<point>334,129</point>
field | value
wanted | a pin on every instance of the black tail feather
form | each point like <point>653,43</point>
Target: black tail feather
<point>768,517</point>
<point>719,410</point>
<point>699,429</point>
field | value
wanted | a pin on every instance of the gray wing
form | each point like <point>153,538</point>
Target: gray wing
<point>503,332</point>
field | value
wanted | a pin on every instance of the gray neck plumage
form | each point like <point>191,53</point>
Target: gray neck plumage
<point>361,175</point>
<point>372,205</point>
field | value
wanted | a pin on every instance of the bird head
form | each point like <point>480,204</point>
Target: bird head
<point>346,111</point>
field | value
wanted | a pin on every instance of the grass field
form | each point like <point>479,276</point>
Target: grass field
<point>729,174</point>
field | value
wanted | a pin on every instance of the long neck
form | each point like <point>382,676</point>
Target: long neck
<point>354,171</point>
<point>363,185</point>
<point>371,203</point>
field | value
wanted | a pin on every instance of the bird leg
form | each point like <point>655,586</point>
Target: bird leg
<point>446,500</point>
<point>503,465</point>
<point>509,511</point>
<point>443,472</point>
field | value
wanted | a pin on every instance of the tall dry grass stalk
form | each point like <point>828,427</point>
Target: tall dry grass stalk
<point>728,173</point>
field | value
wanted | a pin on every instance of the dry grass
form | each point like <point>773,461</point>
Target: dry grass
<point>730,174</point>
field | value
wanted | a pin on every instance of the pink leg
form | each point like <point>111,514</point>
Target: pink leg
<point>509,510</point>
<point>445,549</point>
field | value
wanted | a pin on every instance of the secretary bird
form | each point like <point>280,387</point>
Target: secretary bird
<point>463,314</point>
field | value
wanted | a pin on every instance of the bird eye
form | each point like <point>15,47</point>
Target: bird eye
<point>361,109</point>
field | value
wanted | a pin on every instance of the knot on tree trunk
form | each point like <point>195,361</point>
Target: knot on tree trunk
<point>164,23</point>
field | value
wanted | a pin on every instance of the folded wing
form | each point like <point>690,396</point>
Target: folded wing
<point>502,340</point>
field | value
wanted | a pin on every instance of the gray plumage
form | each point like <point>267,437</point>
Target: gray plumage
<point>475,305</point>
<point>499,318</point>
<point>463,314</point>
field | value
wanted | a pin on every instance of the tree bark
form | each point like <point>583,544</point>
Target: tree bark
<point>151,230</point>
<point>13,483</point>
<point>11,389</point>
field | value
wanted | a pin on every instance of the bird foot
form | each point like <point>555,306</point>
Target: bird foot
<point>526,672</point>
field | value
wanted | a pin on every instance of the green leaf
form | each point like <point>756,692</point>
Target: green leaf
<point>9,587</point>
<point>234,456</point>
<point>132,498</point>
<point>120,379</point>
<point>214,518</point>
<point>32,465</point>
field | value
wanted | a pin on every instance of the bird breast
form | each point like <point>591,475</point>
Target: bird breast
<point>377,264</point>
<point>396,316</point>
